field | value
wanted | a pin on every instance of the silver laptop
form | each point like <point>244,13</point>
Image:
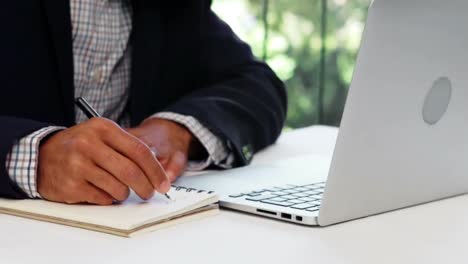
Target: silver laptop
<point>403,139</point>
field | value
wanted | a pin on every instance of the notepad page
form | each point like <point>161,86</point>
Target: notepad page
<point>128,215</point>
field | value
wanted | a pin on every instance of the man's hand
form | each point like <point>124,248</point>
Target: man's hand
<point>174,144</point>
<point>97,162</point>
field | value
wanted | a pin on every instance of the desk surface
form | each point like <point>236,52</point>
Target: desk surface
<point>432,233</point>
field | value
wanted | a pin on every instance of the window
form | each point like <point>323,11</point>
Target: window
<point>311,44</point>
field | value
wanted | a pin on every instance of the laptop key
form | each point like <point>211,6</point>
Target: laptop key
<point>289,189</point>
<point>237,195</point>
<point>303,206</point>
<point>285,203</point>
<point>315,188</point>
<point>277,199</point>
<point>307,199</point>
<point>289,197</point>
<point>280,193</point>
<point>301,189</point>
<point>261,197</point>
<point>317,197</point>
<point>313,209</point>
<point>293,191</point>
<point>313,192</point>
<point>254,194</point>
<point>296,201</point>
<point>260,191</point>
<point>300,195</point>
<point>309,187</point>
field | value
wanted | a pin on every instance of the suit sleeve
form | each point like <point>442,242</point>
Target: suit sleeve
<point>12,130</point>
<point>242,101</point>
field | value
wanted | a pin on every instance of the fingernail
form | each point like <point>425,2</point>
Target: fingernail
<point>154,151</point>
<point>165,186</point>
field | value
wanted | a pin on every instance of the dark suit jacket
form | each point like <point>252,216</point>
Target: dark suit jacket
<point>185,60</point>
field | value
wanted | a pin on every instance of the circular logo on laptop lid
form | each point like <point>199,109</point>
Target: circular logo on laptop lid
<point>437,101</point>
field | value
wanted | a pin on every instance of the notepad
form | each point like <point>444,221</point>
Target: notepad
<point>126,219</point>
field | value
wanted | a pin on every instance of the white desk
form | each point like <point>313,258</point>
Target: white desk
<point>432,233</point>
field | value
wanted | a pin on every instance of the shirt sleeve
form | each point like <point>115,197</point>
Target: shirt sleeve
<point>21,162</point>
<point>218,153</point>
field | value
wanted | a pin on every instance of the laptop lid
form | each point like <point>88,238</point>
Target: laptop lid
<point>404,135</point>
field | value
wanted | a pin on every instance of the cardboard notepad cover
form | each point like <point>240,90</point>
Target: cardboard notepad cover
<point>125,219</point>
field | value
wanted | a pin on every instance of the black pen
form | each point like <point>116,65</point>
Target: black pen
<point>90,112</point>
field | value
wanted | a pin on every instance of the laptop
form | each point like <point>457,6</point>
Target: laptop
<point>403,139</point>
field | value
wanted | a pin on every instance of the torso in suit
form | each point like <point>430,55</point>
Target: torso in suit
<point>212,75</point>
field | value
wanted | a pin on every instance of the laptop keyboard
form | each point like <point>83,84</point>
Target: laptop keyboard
<point>300,197</point>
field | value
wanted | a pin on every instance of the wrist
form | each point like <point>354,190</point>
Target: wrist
<point>44,149</point>
<point>193,147</point>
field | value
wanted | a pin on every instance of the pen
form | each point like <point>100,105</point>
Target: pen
<point>90,112</point>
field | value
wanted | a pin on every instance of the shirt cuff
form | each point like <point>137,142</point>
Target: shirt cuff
<point>21,162</point>
<point>218,153</point>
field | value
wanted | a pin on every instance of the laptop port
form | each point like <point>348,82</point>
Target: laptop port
<point>266,212</point>
<point>286,216</point>
<point>299,218</point>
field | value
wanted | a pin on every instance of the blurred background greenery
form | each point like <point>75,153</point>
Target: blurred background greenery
<point>311,44</point>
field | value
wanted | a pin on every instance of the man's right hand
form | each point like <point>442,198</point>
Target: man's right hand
<point>97,162</point>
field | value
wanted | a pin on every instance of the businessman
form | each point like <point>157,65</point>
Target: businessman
<point>165,75</point>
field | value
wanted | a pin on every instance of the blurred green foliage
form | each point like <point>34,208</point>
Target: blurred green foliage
<point>293,44</point>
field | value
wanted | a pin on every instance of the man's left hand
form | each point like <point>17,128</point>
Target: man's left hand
<point>174,144</point>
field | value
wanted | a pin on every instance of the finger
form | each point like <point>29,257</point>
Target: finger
<point>164,161</point>
<point>138,152</point>
<point>123,169</point>
<point>108,183</point>
<point>93,195</point>
<point>176,165</point>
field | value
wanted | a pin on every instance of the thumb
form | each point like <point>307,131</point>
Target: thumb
<point>130,130</point>
<point>176,165</point>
